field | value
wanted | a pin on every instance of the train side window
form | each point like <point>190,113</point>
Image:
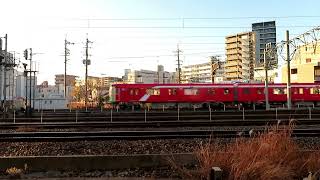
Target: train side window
<point>136,91</point>
<point>260,91</point>
<point>172,91</point>
<point>154,92</point>
<point>300,90</point>
<point>131,92</point>
<point>314,91</point>
<point>211,91</point>
<point>246,91</point>
<point>278,91</point>
<point>191,91</point>
<point>226,91</point>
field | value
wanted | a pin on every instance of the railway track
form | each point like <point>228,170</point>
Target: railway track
<point>138,135</point>
<point>50,117</point>
<point>155,124</point>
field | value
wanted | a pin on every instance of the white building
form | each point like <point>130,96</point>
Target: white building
<point>201,73</point>
<point>52,97</point>
<point>149,77</point>
<point>259,74</point>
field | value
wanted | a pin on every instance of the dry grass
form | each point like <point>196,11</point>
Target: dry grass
<point>269,155</point>
<point>26,129</point>
<point>14,173</point>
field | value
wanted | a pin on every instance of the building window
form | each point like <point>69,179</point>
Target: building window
<point>172,92</point>
<point>154,92</point>
<point>294,71</point>
<point>50,102</point>
<point>308,60</point>
<point>191,92</point>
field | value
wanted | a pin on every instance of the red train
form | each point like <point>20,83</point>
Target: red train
<point>204,94</point>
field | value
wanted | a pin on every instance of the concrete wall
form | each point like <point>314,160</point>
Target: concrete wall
<point>110,162</point>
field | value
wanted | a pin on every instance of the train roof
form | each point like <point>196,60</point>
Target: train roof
<point>203,85</point>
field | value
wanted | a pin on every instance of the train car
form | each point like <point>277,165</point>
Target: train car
<point>204,94</point>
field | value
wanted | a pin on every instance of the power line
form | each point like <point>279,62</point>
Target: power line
<point>177,27</point>
<point>154,56</point>
<point>193,18</point>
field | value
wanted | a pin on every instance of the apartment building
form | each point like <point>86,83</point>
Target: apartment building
<point>202,73</point>
<point>59,80</point>
<point>265,32</point>
<point>240,57</point>
<point>148,76</point>
<point>305,65</point>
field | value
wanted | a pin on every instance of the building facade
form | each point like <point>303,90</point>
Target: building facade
<point>52,97</point>
<point>259,75</point>
<point>305,65</point>
<point>202,73</point>
<point>264,32</point>
<point>59,80</point>
<point>149,77</point>
<point>108,81</point>
<point>240,57</point>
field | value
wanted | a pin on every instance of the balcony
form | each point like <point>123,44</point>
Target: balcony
<point>233,57</point>
<point>232,63</point>
<point>230,52</point>
<point>231,40</point>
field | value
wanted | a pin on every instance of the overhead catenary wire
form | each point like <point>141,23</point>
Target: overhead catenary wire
<point>194,18</point>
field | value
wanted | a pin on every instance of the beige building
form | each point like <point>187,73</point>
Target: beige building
<point>240,54</point>
<point>305,65</point>
<point>201,73</point>
<point>59,80</point>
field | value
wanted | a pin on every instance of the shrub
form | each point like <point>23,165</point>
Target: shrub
<point>272,154</point>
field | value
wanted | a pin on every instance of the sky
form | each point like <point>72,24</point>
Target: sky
<point>139,34</point>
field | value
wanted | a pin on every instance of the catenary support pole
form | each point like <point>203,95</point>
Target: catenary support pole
<point>288,71</point>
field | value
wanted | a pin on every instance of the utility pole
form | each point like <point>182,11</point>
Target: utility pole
<point>266,68</point>
<point>179,64</point>
<point>289,71</point>
<point>86,62</point>
<point>215,65</point>
<point>66,54</point>
<point>30,84</point>
<point>4,77</point>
